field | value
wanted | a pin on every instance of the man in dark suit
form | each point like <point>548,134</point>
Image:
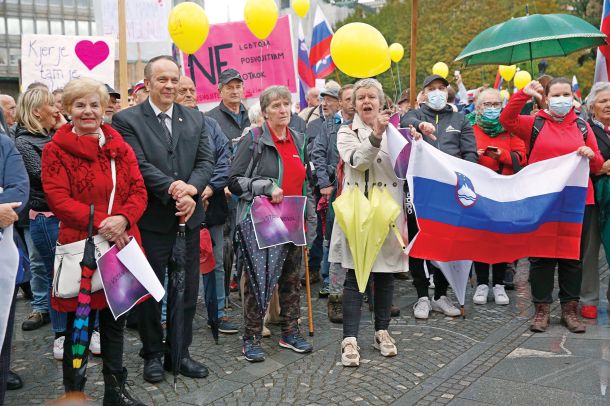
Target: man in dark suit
<point>173,151</point>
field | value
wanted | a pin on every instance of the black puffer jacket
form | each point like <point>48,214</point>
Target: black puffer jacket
<point>30,146</point>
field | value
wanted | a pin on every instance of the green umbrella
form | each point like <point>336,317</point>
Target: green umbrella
<point>531,37</point>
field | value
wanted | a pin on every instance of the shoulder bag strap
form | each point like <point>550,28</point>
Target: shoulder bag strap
<point>113,171</point>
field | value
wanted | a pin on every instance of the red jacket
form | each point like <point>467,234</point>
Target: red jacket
<point>75,173</point>
<point>556,137</point>
<point>507,143</point>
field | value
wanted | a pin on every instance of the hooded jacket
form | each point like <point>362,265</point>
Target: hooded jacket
<point>454,134</point>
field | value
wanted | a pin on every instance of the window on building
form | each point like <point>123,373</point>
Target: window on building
<point>13,56</point>
<point>42,27</point>
<point>55,2</point>
<point>56,27</point>
<point>83,28</point>
<point>93,28</point>
<point>69,27</point>
<point>2,25</point>
<point>82,3</point>
<point>27,26</point>
<point>3,57</point>
<point>12,26</point>
<point>68,3</point>
<point>26,1</point>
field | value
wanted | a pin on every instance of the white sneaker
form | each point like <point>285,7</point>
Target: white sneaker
<point>95,346</point>
<point>444,305</point>
<point>58,348</point>
<point>480,295</point>
<point>266,331</point>
<point>385,343</point>
<point>432,286</point>
<point>350,357</point>
<point>421,309</point>
<point>500,296</point>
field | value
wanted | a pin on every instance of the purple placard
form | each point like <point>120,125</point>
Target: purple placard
<point>276,224</point>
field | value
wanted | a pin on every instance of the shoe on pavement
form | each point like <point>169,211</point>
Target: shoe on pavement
<point>35,320</point>
<point>296,343</point>
<point>58,348</point>
<point>394,311</point>
<point>480,295</point>
<point>188,367</point>
<point>542,318</point>
<point>153,370</point>
<point>444,305</point>
<point>324,291</point>
<point>13,381</point>
<point>570,319</point>
<point>500,296</point>
<point>421,309</point>
<point>588,312</point>
<point>385,343</point>
<point>266,332</point>
<point>227,327</point>
<point>95,346</point>
<point>252,349</point>
<point>350,357</point>
<point>509,279</point>
<point>335,308</point>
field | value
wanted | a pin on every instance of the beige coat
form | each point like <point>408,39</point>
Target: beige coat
<point>359,155</point>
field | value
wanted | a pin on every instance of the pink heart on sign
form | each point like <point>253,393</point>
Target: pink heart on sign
<point>91,54</point>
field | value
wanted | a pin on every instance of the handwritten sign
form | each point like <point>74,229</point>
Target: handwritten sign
<point>145,20</point>
<point>57,59</point>
<point>232,45</point>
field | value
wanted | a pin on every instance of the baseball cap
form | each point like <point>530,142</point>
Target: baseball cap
<point>139,86</point>
<point>112,92</point>
<point>227,76</point>
<point>432,78</point>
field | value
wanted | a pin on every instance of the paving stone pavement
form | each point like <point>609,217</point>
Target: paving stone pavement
<point>488,358</point>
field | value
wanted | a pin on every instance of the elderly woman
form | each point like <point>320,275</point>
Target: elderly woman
<point>598,104</point>
<point>559,131</point>
<point>36,118</point>
<point>505,154</point>
<point>271,162</point>
<point>363,147</point>
<point>76,172</point>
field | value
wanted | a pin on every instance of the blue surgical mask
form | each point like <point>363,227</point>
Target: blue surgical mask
<point>437,100</point>
<point>559,106</point>
<point>491,113</point>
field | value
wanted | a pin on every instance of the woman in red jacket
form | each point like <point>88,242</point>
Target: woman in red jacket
<point>559,132</point>
<point>504,153</point>
<point>76,173</point>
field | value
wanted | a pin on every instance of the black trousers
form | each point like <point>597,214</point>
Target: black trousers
<point>569,276</point>
<point>383,289</point>
<point>482,271</point>
<point>158,248</point>
<point>416,266</point>
<point>5,353</point>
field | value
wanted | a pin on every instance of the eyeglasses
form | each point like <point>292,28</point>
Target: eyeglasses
<point>491,104</point>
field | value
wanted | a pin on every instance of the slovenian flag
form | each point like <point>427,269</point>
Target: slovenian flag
<point>466,211</point>
<point>319,56</point>
<point>307,80</point>
<point>576,88</point>
<point>602,64</point>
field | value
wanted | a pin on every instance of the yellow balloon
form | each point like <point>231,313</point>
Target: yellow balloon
<point>188,26</point>
<point>301,7</point>
<point>522,78</point>
<point>396,52</point>
<point>504,94</point>
<point>507,72</point>
<point>359,50</point>
<point>441,69</point>
<point>261,16</point>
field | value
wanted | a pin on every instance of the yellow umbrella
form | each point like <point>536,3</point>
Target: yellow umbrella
<point>366,224</point>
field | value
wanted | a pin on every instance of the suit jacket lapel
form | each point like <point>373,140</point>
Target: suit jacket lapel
<point>153,121</point>
<point>177,125</point>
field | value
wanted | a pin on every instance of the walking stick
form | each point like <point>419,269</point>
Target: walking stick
<point>308,288</point>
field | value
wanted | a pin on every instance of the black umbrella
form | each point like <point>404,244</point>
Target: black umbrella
<point>175,300</point>
<point>264,266</point>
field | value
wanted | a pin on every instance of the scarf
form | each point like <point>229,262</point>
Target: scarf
<point>490,127</point>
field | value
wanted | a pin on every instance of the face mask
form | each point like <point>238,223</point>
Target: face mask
<point>491,113</point>
<point>560,106</point>
<point>437,100</point>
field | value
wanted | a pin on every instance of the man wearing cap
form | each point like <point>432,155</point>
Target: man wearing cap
<point>114,105</point>
<point>312,111</point>
<point>139,93</point>
<point>450,132</point>
<point>230,113</point>
<point>173,151</point>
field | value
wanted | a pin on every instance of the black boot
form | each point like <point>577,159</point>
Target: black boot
<point>115,393</point>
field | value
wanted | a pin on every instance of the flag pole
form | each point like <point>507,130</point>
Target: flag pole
<point>413,78</point>
<point>123,79</point>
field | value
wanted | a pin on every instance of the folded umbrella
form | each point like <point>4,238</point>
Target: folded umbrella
<point>175,299</point>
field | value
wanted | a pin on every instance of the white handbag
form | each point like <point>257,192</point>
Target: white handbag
<point>67,275</point>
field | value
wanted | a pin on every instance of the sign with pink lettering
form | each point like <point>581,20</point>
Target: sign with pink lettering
<point>261,63</point>
<point>57,59</point>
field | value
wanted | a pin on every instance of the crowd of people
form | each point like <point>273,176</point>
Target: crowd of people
<point>72,160</point>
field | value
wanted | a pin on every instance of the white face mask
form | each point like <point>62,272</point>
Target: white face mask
<point>559,106</point>
<point>437,100</point>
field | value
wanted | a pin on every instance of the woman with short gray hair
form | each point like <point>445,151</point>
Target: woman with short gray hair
<point>271,162</point>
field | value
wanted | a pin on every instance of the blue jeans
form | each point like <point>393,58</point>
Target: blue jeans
<point>44,233</point>
<point>218,242</point>
<point>38,280</point>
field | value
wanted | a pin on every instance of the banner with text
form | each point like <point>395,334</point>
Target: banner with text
<point>57,59</point>
<point>261,63</point>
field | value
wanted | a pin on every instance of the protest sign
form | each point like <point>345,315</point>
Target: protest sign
<point>145,20</point>
<point>261,63</point>
<point>276,224</point>
<point>57,59</point>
